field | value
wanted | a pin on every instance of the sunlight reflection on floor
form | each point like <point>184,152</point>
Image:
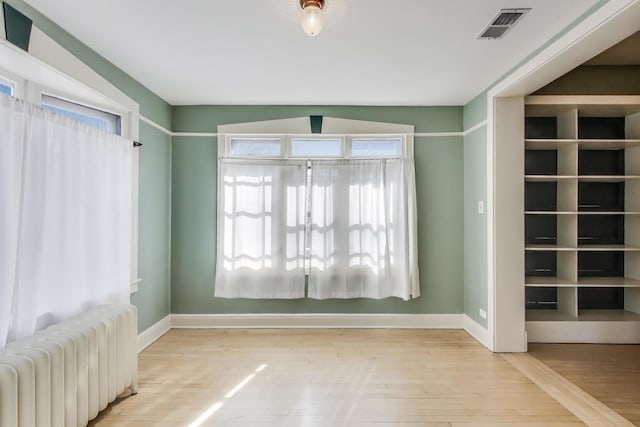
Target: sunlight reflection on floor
<point>209,412</point>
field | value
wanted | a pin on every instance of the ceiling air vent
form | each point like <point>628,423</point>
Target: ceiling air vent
<point>499,25</point>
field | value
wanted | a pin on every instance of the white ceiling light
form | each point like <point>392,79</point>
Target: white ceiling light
<point>312,16</point>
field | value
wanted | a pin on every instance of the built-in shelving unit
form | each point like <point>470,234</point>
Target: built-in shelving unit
<point>582,214</point>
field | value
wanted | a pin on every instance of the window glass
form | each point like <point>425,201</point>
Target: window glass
<point>100,119</point>
<point>307,147</point>
<point>376,147</point>
<point>6,88</point>
<point>262,147</point>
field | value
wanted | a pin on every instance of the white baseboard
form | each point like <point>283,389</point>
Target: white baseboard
<point>155,331</point>
<point>321,320</point>
<point>478,332</point>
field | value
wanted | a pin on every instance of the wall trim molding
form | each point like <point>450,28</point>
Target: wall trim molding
<point>437,134</point>
<point>478,332</point>
<point>475,128</point>
<point>197,134</point>
<point>417,134</point>
<point>319,320</point>
<point>155,125</point>
<point>152,333</point>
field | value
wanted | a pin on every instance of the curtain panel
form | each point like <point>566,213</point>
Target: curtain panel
<point>65,221</point>
<point>261,229</point>
<point>363,234</point>
<point>346,228</point>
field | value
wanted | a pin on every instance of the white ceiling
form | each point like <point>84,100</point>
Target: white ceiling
<point>370,52</point>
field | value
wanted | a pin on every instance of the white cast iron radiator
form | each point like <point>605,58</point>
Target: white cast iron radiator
<point>64,375</point>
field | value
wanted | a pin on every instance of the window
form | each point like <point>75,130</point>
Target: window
<point>316,147</point>
<point>259,147</point>
<point>97,118</point>
<point>6,87</point>
<point>335,213</point>
<point>376,147</point>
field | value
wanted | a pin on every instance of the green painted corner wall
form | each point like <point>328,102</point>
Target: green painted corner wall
<point>154,211</point>
<point>154,227</point>
<point>439,181</point>
<point>475,224</point>
<point>475,111</point>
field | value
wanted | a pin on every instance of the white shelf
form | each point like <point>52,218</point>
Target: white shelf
<point>549,178</point>
<point>546,282</point>
<point>605,282</point>
<point>549,248</point>
<point>581,178</point>
<point>607,248</point>
<point>582,282</point>
<point>549,213</point>
<point>607,178</point>
<point>582,144</point>
<point>581,213</point>
<point>583,248</point>
<point>607,144</point>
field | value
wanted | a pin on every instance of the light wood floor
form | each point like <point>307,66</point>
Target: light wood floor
<point>329,378</point>
<point>610,373</point>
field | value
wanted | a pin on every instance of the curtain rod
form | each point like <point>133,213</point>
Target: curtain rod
<point>137,144</point>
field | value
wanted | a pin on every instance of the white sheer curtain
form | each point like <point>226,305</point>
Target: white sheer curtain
<point>65,221</point>
<point>363,229</point>
<point>261,229</point>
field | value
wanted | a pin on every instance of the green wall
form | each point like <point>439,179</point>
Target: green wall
<point>154,234</point>
<point>439,182</point>
<point>475,224</point>
<point>154,243</point>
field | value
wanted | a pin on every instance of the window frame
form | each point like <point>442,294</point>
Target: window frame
<point>346,141</point>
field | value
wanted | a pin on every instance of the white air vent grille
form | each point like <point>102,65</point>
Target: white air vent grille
<point>502,23</point>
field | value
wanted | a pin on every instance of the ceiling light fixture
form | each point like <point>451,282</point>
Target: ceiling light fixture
<point>312,16</point>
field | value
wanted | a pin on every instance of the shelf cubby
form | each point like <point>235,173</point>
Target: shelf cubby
<point>601,230</point>
<point>601,196</point>
<point>541,298</point>
<point>541,162</point>
<point>600,298</point>
<point>601,162</point>
<point>597,127</point>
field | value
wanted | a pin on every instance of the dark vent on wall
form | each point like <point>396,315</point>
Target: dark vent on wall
<point>502,23</point>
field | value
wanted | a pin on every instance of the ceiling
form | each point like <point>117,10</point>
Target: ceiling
<point>382,52</point>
